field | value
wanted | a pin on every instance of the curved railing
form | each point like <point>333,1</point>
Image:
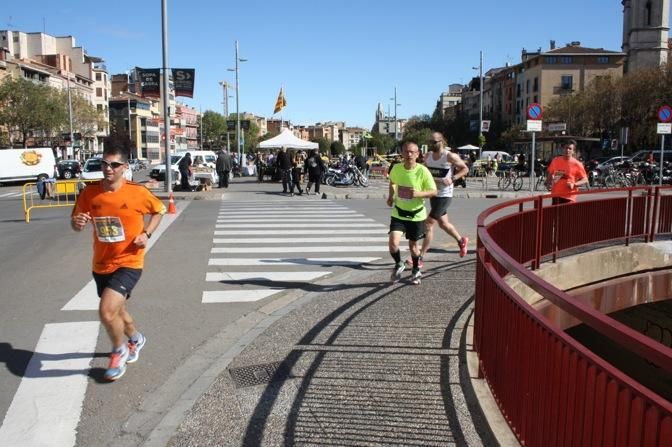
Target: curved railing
<point>550,388</point>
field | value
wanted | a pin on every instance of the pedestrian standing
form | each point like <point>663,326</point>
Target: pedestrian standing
<point>285,166</point>
<point>314,167</point>
<point>116,209</point>
<point>410,184</point>
<point>185,172</point>
<point>223,167</point>
<point>446,168</point>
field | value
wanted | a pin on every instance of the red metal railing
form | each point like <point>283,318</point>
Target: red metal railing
<point>550,388</point>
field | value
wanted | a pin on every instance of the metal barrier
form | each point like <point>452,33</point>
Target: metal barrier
<point>550,388</point>
<point>56,194</point>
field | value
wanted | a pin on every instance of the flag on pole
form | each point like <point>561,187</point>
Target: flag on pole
<point>280,103</point>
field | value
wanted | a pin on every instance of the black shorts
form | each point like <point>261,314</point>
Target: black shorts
<point>439,206</point>
<point>414,230</point>
<point>121,280</point>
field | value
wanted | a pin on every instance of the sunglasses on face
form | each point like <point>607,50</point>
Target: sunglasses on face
<point>110,164</point>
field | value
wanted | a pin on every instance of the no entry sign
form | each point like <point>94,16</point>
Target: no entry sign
<point>535,111</point>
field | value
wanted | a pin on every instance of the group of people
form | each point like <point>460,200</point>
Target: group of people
<point>293,171</point>
<point>223,167</point>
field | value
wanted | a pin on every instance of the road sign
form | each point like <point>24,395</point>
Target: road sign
<point>665,114</point>
<point>534,126</point>
<point>664,128</point>
<point>535,111</point>
<point>557,127</point>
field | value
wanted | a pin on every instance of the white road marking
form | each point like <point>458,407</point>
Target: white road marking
<point>301,224</point>
<point>336,220</point>
<point>303,240</point>
<point>289,261</point>
<point>295,232</point>
<point>299,249</point>
<point>298,208</point>
<point>265,276</point>
<point>87,298</point>
<point>289,212</point>
<point>47,405</point>
<point>237,296</point>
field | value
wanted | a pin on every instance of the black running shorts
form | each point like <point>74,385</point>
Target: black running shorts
<point>439,206</point>
<point>121,280</point>
<point>414,230</point>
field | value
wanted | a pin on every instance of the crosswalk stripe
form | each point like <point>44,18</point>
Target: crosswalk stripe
<point>335,219</point>
<point>306,240</point>
<point>309,249</point>
<point>293,213</point>
<point>295,232</point>
<point>289,261</point>
<point>48,403</point>
<point>237,296</point>
<point>302,208</point>
<point>266,276</point>
<point>300,224</point>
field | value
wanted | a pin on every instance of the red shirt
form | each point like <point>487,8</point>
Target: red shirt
<point>562,171</point>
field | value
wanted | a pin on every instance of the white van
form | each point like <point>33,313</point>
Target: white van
<point>506,157</point>
<point>198,158</point>
<point>27,164</point>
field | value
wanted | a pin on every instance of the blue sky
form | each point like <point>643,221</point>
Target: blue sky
<point>336,60</point>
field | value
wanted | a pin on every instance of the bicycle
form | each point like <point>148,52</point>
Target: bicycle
<point>511,176</point>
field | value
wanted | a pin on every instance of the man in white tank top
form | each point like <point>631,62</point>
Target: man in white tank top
<point>445,167</point>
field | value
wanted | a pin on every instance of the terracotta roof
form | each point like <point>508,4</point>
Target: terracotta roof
<point>580,50</point>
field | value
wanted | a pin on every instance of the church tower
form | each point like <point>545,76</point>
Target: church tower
<point>645,33</point>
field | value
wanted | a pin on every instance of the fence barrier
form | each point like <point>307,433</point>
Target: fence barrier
<point>550,388</point>
<point>50,194</point>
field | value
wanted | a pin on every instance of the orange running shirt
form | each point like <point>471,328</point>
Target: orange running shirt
<point>117,218</point>
<point>563,171</point>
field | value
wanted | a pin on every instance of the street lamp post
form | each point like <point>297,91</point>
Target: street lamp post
<point>225,86</point>
<point>128,106</point>
<point>237,70</point>
<point>480,107</point>
<point>396,136</point>
<point>166,107</point>
<point>72,140</point>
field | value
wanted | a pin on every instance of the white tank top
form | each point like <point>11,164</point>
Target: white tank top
<point>440,169</point>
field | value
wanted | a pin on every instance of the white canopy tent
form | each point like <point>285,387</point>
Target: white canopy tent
<point>468,147</point>
<point>288,140</point>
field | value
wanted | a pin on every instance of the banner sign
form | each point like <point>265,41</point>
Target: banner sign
<point>183,81</point>
<point>150,82</point>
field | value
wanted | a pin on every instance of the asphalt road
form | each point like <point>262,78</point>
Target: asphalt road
<point>45,264</point>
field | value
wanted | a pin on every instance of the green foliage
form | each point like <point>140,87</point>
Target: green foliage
<point>481,140</point>
<point>382,142</point>
<point>324,144</point>
<point>337,148</point>
<point>214,130</point>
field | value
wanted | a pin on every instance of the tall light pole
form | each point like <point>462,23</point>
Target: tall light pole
<point>225,86</point>
<point>166,107</point>
<point>396,136</point>
<point>480,100</point>
<point>237,70</point>
<point>72,140</point>
<point>128,105</point>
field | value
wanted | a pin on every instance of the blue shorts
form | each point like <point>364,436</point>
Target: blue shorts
<point>122,280</point>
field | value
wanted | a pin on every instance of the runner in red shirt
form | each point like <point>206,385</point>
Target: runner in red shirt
<point>565,175</point>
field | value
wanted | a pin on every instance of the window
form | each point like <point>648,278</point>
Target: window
<point>99,107</point>
<point>602,59</point>
<point>648,13</point>
<point>567,60</point>
<point>551,60</point>
<point>99,77</point>
<point>536,98</point>
<point>536,86</point>
<point>566,82</point>
<point>527,86</point>
<point>99,92</point>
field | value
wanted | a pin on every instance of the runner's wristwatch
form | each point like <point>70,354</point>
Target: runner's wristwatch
<point>149,235</point>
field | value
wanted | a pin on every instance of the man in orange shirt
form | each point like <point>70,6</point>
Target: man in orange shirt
<point>116,209</point>
<point>565,174</point>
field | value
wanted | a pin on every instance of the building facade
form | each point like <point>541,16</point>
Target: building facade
<point>646,29</point>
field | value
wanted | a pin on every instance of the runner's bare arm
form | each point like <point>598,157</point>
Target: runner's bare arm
<point>79,221</point>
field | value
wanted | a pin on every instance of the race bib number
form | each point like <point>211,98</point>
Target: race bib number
<point>558,175</point>
<point>405,192</point>
<point>109,229</point>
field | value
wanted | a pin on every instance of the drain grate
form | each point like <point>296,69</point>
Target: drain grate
<point>259,374</point>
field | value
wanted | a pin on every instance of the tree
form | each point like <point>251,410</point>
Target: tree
<point>323,143</point>
<point>214,130</point>
<point>382,142</point>
<point>29,108</point>
<point>337,148</point>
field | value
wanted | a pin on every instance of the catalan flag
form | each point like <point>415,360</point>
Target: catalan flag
<point>280,103</point>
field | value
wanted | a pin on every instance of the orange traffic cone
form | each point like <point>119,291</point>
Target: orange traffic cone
<point>171,204</point>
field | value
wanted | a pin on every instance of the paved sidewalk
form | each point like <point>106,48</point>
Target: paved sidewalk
<point>363,362</point>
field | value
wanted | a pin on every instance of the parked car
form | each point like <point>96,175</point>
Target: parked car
<point>198,158</point>
<point>610,161</point>
<point>93,170</point>
<point>68,169</point>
